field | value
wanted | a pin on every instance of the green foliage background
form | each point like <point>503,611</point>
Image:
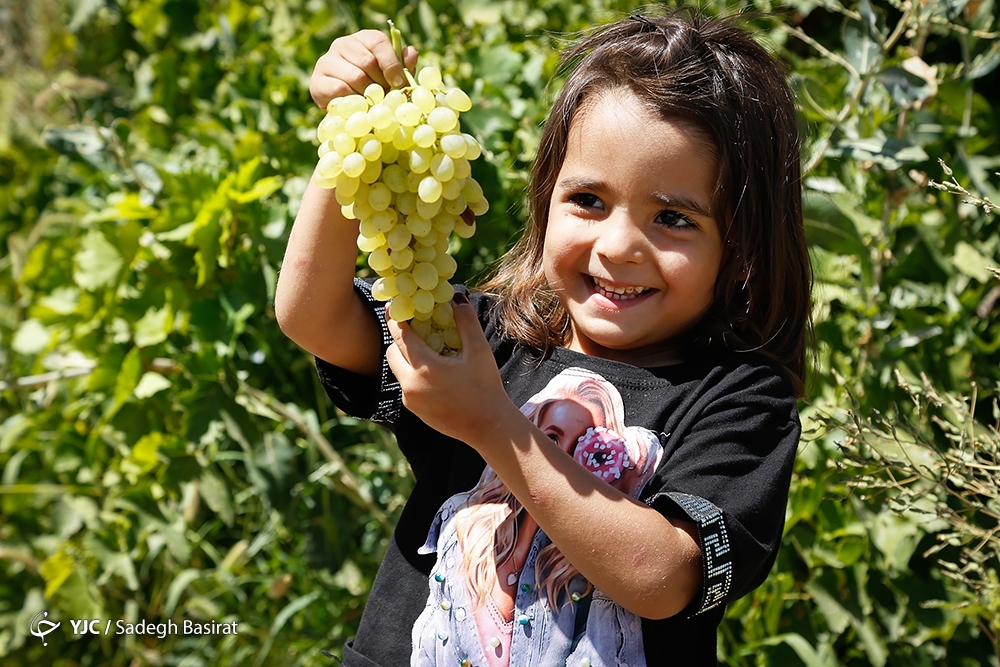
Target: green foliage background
<point>165,453</point>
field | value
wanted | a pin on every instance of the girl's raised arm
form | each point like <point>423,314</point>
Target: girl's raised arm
<point>315,302</point>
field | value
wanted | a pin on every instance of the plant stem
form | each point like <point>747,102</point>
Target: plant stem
<point>397,45</point>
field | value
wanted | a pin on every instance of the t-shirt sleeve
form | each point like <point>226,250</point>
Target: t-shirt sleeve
<point>728,468</point>
<point>375,399</point>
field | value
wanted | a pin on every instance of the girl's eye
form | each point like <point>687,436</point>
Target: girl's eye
<point>674,219</point>
<point>586,200</point>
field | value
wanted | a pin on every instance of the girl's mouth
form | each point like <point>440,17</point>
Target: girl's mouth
<point>618,292</point>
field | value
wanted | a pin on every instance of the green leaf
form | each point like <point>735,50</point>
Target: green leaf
<point>261,189</point>
<point>216,496</point>
<point>905,88</point>
<point>97,262</point>
<point>206,230</point>
<point>121,565</point>
<point>128,377</point>
<point>55,570</point>
<point>803,649</point>
<point>150,384</point>
<point>177,588</point>
<point>143,456</point>
<point>291,609</point>
<point>971,262</point>
<point>31,338</point>
<point>863,51</point>
<point>154,326</point>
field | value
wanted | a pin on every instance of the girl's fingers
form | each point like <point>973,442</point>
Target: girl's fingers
<point>356,61</point>
<point>410,59</point>
<point>372,52</point>
<point>325,85</point>
<point>406,341</point>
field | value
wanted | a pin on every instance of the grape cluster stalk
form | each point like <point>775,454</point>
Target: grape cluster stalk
<point>399,163</point>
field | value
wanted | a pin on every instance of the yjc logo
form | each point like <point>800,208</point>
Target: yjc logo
<point>85,626</point>
<point>37,629</point>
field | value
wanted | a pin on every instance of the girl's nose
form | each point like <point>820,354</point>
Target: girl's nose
<point>619,240</point>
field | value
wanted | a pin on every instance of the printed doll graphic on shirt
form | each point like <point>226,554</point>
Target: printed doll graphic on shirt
<point>501,594</point>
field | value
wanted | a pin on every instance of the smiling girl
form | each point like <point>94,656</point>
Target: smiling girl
<point>665,264</point>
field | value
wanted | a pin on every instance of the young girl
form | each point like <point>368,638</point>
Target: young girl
<point>606,463</point>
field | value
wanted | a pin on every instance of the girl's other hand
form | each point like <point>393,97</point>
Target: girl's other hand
<point>355,61</point>
<point>462,395</point>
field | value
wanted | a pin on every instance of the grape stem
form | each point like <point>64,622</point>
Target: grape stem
<point>397,45</point>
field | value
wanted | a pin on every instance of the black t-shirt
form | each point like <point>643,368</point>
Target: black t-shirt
<point>710,440</point>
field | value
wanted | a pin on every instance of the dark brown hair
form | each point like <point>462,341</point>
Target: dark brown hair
<point>711,74</point>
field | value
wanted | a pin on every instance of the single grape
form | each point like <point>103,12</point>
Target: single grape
<point>456,206</point>
<point>442,167</point>
<point>379,260</point>
<point>429,77</point>
<point>370,147</point>
<point>445,265</point>
<point>344,144</point>
<point>405,284</point>
<point>428,209</point>
<point>401,308</point>
<point>444,315</point>
<point>330,127</point>
<point>385,288</point>
<point>330,165</point>
<point>369,244</point>
<point>424,136</point>
<point>358,125</point>
<point>354,164</point>
<point>453,145</point>
<point>426,275</point>
<point>418,225</point>
<point>379,196</point>
<point>401,259</point>
<point>430,189</point>
<point>374,93</point>
<point>408,114</point>
<point>420,159</point>
<point>442,119</point>
<point>423,98</point>
<point>457,99</point>
<point>444,292</point>
<point>452,339</point>
<point>393,99</point>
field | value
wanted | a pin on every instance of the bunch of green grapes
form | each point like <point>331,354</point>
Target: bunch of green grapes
<point>400,164</point>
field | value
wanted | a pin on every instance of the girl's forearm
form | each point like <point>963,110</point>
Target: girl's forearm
<point>315,302</point>
<point>632,553</point>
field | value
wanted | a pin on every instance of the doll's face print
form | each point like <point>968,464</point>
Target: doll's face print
<point>566,420</point>
<point>583,413</point>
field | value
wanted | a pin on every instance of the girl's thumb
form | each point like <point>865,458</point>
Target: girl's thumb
<point>465,319</point>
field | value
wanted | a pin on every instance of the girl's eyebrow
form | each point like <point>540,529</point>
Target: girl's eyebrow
<point>669,201</point>
<point>681,202</point>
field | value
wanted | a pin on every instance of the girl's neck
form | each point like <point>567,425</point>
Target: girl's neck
<point>666,353</point>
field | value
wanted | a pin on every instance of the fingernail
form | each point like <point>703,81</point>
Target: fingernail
<point>397,81</point>
<point>460,298</point>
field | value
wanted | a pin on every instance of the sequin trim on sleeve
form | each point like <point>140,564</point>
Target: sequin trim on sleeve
<point>390,396</point>
<point>717,555</point>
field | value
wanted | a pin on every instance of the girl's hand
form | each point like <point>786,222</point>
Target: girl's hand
<point>461,396</point>
<point>355,61</point>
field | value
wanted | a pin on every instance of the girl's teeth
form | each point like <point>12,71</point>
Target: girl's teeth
<point>618,293</point>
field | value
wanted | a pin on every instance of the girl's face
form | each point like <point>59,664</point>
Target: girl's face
<point>631,247</point>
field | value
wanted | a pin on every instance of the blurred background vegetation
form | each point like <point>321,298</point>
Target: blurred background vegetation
<point>165,453</point>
